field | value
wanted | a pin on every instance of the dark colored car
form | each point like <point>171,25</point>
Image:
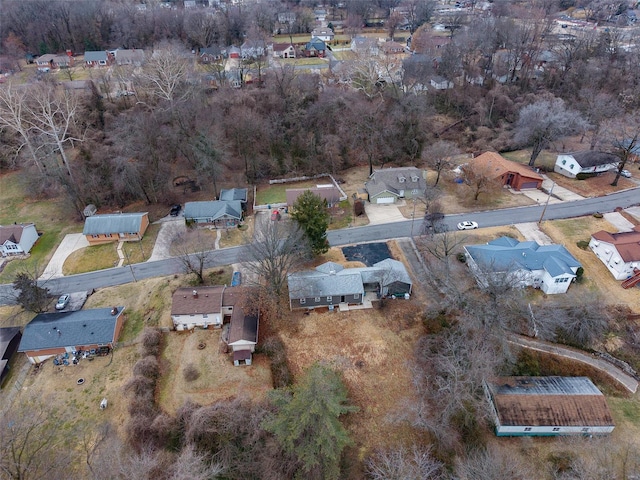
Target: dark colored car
<point>175,210</point>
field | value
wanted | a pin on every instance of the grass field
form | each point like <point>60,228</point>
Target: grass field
<point>276,193</point>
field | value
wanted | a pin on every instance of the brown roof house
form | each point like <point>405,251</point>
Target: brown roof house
<point>390,184</point>
<point>200,307</point>
<point>51,334</point>
<point>17,239</point>
<point>547,406</point>
<point>511,174</point>
<point>115,227</point>
<point>620,252</point>
<point>330,193</point>
<point>243,324</point>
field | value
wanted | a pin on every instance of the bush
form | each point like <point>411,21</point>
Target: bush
<point>190,373</point>
<point>150,342</point>
<point>140,385</point>
<point>274,348</point>
<point>582,244</point>
<point>461,257</point>
<point>147,367</point>
<point>358,208</point>
<point>584,176</point>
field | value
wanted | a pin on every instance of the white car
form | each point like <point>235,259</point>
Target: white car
<point>63,301</point>
<point>625,173</point>
<point>467,225</point>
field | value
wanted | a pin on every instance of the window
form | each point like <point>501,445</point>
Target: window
<point>95,236</point>
<point>414,178</point>
<point>108,235</point>
<point>564,162</point>
<point>585,429</point>
<point>317,299</point>
<point>571,166</point>
<point>527,429</point>
<point>556,429</point>
<point>329,298</point>
<point>356,295</point>
<point>558,280</point>
<point>303,301</point>
<point>401,179</point>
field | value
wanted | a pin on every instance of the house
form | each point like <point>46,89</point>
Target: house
<point>440,83</point>
<point>17,239</point>
<point>50,334</point>
<point>365,45</point>
<point>571,164</point>
<point>390,184</point>
<point>243,324</point>
<point>52,61</point>
<point>315,48</point>
<point>97,59</point>
<point>620,252</point>
<point>200,307</point>
<point>287,17</point>
<point>331,284</point>
<point>551,268</point>
<point>133,57</point>
<point>547,406</point>
<point>210,54</point>
<point>393,48</point>
<point>220,214</point>
<point>253,49</point>
<point>234,194</point>
<point>511,174</point>
<point>9,342</point>
<point>320,15</point>
<point>324,34</point>
<point>233,52</point>
<point>115,227</point>
<point>329,193</point>
<point>284,50</point>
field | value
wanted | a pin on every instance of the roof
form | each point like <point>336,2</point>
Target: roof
<point>6,335</point>
<point>214,50</point>
<point>13,233</point>
<point>281,47</point>
<point>322,32</point>
<point>96,56</point>
<point>331,279</point>
<point>505,254</point>
<point>65,329</point>
<point>213,209</point>
<point>389,179</point>
<point>330,194</point>
<point>496,163</point>
<point>231,194</point>
<point>549,401</point>
<point>244,327</point>
<point>316,44</point>
<point>590,158</point>
<point>627,243</point>
<point>113,223</point>
<point>208,300</point>
<point>134,55</point>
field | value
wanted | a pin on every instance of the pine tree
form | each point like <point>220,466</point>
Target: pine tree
<point>311,213</point>
<point>307,424</point>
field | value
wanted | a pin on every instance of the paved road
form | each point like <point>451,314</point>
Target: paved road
<point>228,256</point>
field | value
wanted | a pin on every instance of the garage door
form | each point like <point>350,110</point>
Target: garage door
<point>385,200</point>
<point>529,185</point>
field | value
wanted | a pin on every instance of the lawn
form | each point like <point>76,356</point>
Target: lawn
<point>276,193</point>
<point>546,159</point>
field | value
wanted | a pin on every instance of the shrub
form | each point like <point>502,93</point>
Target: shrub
<point>584,176</point>
<point>150,342</point>
<point>358,208</point>
<point>461,257</point>
<point>582,244</point>
<point>274,348</point>
<point>147,367</point>
<point>139,385</point>
<point>190,373</point>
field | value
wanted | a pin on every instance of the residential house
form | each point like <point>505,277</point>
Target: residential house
<point>440,83</point>
<point>50,334</point>
<point>17,239</point>
<point>330,284</point>
<point>329,193</point>
<point>551,268</point>
<point>234,194</point>
<point>52,61</point>
<point>243,324</point>
<point>253,49</point>
<point>133,57</point>
<point>620,252</point>
<point>233,52</point>
<point>547,406</point>
<point>365,46</point>
<point>189,4</point>
<point>199,307</point>
<point>284,50</point>
<point>511,174</point>
<point>9,342</point>
<point>324,34</point>
<point>210,54</point>
<point>218,213</point>
<point>315,48</point>
<point>391,184</point>
<point>571,164</point>
<point>115,227</point>
<point>97,58</point>
<point>320,15</point>
<point>287,17</point>
<point>393,48</point>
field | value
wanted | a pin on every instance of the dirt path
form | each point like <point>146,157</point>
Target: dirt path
<point>624,379</point>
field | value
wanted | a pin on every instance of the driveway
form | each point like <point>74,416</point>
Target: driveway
<point>618,221</point>
<point>531,231</point>
<point>70,243</point>
<point>171,227</point>
<point>383,213</point>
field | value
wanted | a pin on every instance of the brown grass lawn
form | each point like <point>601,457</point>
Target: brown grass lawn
<point>267,194</point>
<point>594,186</point>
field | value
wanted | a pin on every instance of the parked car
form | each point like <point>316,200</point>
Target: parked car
<point>175,210</point>
<point>467,225</point>
<point>62,302</point>
<point>236,279</point>
<point>625,173</point>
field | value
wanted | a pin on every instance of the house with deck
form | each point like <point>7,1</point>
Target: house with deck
<point>197,307</point>
<point>115,227</point>
<point>17,239</point>
<point>329,193</point>
<point>547,406</point>
<point>100,58</point>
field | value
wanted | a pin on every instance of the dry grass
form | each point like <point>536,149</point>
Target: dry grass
<point>594,186</point>
<point>231,237</point>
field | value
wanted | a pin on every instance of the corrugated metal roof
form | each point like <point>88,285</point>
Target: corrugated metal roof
<point>231,194</point>
<point>70,329</point>
<point>113,223</point>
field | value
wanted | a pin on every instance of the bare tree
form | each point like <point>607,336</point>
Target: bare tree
<point>191,465</point>
<point>194,249</point>
<point>480,179</point>
<point>277,249</point>
<point>438,156</point>
<point>402,464</point>
<point>623,137</point>
<point>493,464</point>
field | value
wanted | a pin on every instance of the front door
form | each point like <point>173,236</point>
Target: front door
<point>342,299</point>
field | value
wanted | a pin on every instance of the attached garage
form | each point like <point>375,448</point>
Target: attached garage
<point>385,199</point>
<point>529,185</point>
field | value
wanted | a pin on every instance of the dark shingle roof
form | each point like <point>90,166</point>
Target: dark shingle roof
<point>593,159</point>
<point>395,179</point>
<point>230,194</point>
<point>70,329</point>
<point>12,232</point>
<point>113,223</point>
<point>207,300</point>
<point>97,56</point>
<point>213,210</point>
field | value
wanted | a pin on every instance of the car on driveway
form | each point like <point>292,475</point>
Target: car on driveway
<point>236,279</point>
<point>625,173</point>
<point>467,225</point>
<point>175,210</point>
<point>62,302</point>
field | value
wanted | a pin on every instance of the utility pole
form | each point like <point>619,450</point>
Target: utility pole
<point>126,254</point>
<point>546,203</point>
<point>413,215</point>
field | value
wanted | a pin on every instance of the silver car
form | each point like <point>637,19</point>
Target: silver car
<point>63,301</point>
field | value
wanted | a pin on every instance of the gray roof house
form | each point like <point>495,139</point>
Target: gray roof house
<point>571,164</point>
<point>97,58</point>
<point>390,184</point>
<point>550,268</point>
<point>50,334</point>
<point>111,227</point>
<point>331,284</point>
<point>134,57</point>
<point>219,213</point>
<point>232,194</point>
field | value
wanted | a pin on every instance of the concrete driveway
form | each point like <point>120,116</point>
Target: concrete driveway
<point>383,213</point>
<point>531,231</point>
<point>618,221</point>
<point>70,243</point>
<point>171,227</point>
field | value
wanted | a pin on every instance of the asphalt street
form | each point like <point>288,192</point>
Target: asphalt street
<point>123,275</point>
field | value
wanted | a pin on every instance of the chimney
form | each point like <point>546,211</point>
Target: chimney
<point>114,311</point>
<point>195,294</point>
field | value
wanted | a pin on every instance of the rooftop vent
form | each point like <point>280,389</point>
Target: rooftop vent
<point>114,311</point>
<point>195,294</point>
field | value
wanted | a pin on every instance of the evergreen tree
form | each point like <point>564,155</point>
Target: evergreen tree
<point>31,297</point>
<point>311,213</point>
<point>307,424</point>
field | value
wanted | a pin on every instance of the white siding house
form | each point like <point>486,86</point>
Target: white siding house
<point>197,308</point>
<point>571,164</point>
<point>17,239</point>
<point>620,252</point>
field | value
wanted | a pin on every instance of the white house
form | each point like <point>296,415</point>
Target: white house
<point>620,252</point>
<point>17,239</point>
<point>440,83</point>
<point>199,307</point>
<point>550,268</point>
<point>324,34</point>
<point>547,406</point>
<point>571,164</point>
